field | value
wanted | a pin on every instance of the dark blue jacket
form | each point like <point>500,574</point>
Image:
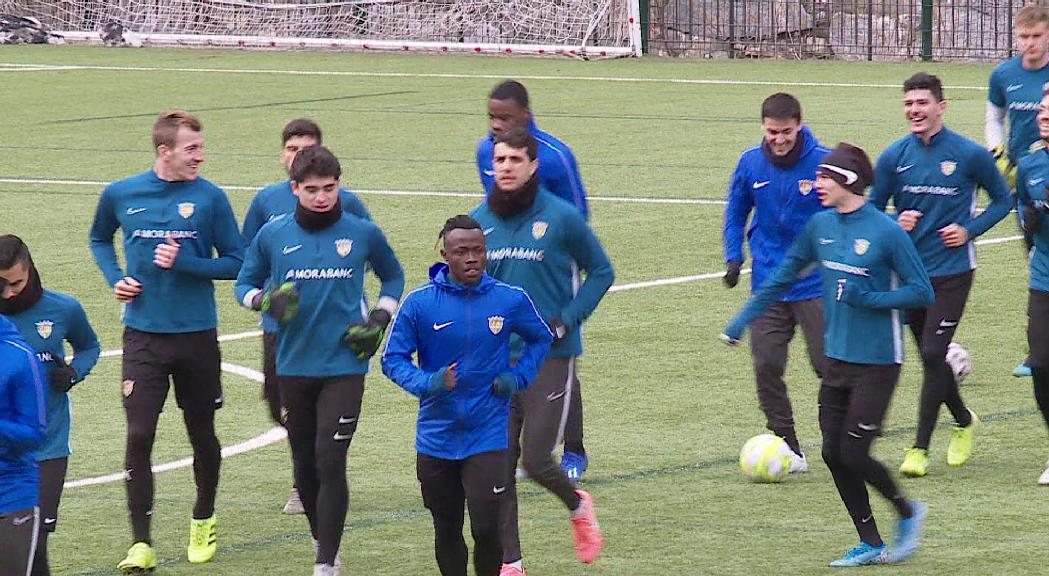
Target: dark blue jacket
<point>558,171</point>
<point>782,200</point>
<point>22,420</point>
<point>447,323</point>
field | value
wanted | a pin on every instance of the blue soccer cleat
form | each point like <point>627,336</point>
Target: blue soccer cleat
<point>1022,370</point>
<point>862,555</point>
<point>908,533</point>
<point>574,465</point>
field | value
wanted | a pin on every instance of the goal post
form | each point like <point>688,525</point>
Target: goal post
<point>575,28</point>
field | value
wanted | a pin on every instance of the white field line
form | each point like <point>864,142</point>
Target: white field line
<point>276,434</point>
<point>459,76</point>
<point>638,200</point>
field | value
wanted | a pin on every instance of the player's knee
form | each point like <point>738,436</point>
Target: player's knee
<point>854,453</point>
<point>933,355</point>
<point>331,466</point>
<point>769,369</point>
<point>140,438</point>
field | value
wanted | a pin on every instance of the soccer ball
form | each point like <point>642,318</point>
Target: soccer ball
<point>765,458</point>
<point>959,360</point>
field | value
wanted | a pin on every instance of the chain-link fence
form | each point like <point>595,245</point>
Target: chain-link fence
<point>840,29</point>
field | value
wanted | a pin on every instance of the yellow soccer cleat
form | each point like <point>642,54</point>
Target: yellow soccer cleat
<point>202,546</point>
<point>915,463</point>
<point>961,446</point>
<point>141,559</point>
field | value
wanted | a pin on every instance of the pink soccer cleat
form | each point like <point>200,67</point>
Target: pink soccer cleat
<point>588,537</point>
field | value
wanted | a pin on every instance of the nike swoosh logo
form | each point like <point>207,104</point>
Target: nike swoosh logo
<point>946,324</point>
<point>554,396</point>
<point>488,231</point>
<point>343,420</point>
<point>1035,182</point>
<point>902,169</point>
<point>826,241</point>
<point>290,249</point>
<point>489,172</point>
<point>338,436</point>
<point>761,184</point>
<point>50,520</point>
<point>1013,87</point>
<point>133,211</point>
<point>867,427</point>
<point>20,521</point>
<point>498,489</point>
<point>437,327</point>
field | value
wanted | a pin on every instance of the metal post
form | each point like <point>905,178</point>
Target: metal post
<point>926,30</point>
<point>731,28</point>
<point>646,21</point>
<point>1009,22</point>
<point>870,30</point>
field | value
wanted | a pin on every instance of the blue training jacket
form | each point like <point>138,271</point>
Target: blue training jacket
<point>277,201</point>
<point>940,181</point>
<point>446,323</point>
<point>22,420</point>
<point>196,214</point>
<point>782,200</point>
<point>46,327</point>
<point>558,171</point>
<point>870,269</point>
<point>1032,178</point>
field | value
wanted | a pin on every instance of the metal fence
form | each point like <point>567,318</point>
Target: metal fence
<point>838,29</point>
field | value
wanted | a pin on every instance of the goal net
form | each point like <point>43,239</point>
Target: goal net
<point>580,28</point>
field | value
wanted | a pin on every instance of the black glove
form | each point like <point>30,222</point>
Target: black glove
<point>364,339</point>
<point>63,376</point>
<point>281,303</point>
<point>1032,219</point>
<point>558,328</point>
<point>731,274</point>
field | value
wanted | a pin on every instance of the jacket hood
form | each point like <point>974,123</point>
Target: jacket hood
<point>440,277</point>
<point>811,143</point>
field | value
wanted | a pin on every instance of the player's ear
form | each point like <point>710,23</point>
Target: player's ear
<point>295,188</point>
<point>533,166</point>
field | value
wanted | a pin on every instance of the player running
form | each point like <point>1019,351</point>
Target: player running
<point>173,222</point>
<point>1014,92</point>
<point>541,243</point>
<point>313,263</point>
<point>774,181</point>
<point>459,324</point>
<point>271,203</point>
<point>932,175</point>
<point>869,269</point>
<point>46,321</point>
<point>509,108</point>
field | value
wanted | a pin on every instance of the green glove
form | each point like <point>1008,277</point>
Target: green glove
<point>281,304</point>
<point>364,339</point>
<point>1005,165</point>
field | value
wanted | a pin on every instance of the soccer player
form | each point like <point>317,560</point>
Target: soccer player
<point>46,321</point>
<point>459,324</point>
<point>932,175</point>
<point>1032,179</point>
<point>307,272</point>
<point>509,108</point>
<point>273,202</point>
<point>1014,92</point>
<point>22,431</point>
<point>774,181</point>
<point>869,269</point>
<point>541,243</point>
<point>173,223</point>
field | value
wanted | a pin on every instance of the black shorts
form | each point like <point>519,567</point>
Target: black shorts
<point>935,325</point>
<point>856,397</point>
<point>52,477</point>
<point>1038,329</point>
<point>479,478</point>
<point>191,361</point>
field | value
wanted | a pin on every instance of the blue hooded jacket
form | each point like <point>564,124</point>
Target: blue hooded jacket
<point>22,420</point>
<point>447,323</point>
<point>783,200</point>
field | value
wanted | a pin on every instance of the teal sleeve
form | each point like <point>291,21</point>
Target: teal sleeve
<point>915,290</point>
<point>884,180</point>
<point>386,266</point>
<point>588,253</point>
<point>989,178</point>
<point>352,204</point>
<point>255,271</point>
<point>253,221</point>
<point>103,228</point>
<point>995,93</point>
<point>228,244</point>
<point>798,263</point>
<point>84,341</point>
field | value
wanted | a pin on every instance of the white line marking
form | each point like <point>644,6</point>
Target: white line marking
<point>431,193</point>
<point>622,79</point>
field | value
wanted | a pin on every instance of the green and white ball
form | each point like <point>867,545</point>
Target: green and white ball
<point>765,458</point>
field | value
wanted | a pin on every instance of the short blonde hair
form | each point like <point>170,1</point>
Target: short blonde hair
<point>1031,15</point>
<point>165,129</point>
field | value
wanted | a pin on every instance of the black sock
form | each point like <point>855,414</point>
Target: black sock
<point>902,506</point>
<point>1040,376</point>
<point>868,530</point>
<point>791,438</point>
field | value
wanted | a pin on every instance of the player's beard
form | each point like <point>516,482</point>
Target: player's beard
<point>506,203</point>
<point>28,297</point>
<point>312,221</point>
